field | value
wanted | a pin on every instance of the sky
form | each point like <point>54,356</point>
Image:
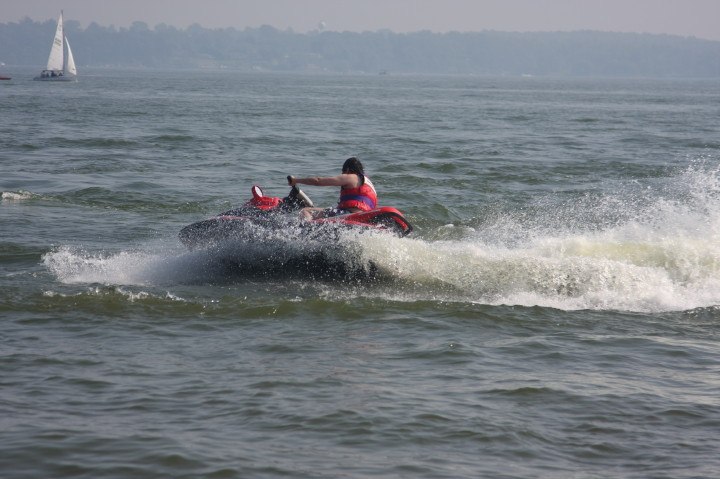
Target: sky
<point>688,18</point>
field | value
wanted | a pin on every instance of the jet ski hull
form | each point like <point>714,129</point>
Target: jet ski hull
<point>222,228</point>
<point>264,219</point>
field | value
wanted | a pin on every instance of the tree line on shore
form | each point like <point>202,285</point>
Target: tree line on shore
<point>580,53</point>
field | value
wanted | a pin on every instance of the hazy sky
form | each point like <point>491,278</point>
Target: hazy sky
<point>699,18</point>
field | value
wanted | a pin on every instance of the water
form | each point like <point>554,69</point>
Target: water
<point>554,314</point>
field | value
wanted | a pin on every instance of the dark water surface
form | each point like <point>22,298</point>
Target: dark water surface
<point>554,314</point>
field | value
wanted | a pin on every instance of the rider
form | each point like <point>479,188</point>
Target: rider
<point>357,192</point>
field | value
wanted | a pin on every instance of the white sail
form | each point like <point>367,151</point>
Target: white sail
<point>70,65</point>
<point>61,64</point>
<point>55,61</point>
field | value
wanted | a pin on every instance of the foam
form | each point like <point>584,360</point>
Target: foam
<point>17,195</point>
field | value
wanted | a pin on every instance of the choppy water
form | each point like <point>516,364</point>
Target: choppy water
<point>554,314</point>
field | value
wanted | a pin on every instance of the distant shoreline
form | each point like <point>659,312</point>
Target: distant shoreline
<point>560,54</point>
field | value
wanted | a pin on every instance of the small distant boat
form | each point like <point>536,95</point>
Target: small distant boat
<point>5,78</point>
<point>61,64</point>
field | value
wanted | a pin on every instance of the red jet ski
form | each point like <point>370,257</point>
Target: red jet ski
<point>264,217</point>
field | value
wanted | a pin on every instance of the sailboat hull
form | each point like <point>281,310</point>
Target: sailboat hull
<point>64,78</point>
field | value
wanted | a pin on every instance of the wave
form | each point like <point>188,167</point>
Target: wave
<point>652,246</point>
<point>646,247</point>
<point>20,195</point>
<point>563,273</point>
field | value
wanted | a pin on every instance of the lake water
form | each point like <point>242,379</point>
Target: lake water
<point>554,313</point>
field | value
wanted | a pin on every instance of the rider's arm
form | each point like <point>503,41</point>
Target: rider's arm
<point>339,180</point>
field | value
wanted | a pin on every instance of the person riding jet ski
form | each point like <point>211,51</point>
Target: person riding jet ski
<point>357,193</point>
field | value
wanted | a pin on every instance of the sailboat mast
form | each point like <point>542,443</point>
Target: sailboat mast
<point>62,36</point>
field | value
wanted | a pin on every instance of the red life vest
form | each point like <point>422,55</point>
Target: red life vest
<point>363,197</point>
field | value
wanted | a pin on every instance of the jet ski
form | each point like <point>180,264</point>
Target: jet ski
<point>263,218</point>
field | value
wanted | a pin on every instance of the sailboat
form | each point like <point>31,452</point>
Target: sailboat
<point>61,64</point>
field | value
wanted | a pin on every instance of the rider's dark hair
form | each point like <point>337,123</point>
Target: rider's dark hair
<point>353,165</point>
